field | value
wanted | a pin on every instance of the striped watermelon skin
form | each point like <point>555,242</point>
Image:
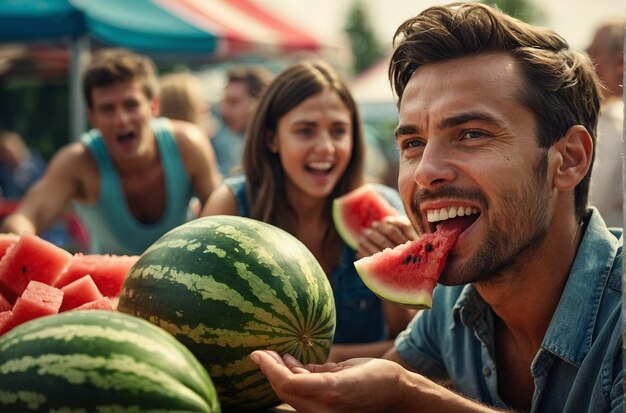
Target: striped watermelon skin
<point>99,361</point>
<point>225,286</point>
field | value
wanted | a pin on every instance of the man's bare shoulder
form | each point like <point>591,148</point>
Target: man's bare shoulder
<point>75,159</point>
<point>187,134</point>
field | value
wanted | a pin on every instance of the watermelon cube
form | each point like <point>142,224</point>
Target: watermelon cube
<point>38,300</point>
<point>107,271</point>
<point>5,321</point>
<point>31,258</point>
<point>4,303</point>
<point>7,240</point>
<point>79,292</point>
<point>114,302</point>
<point>103,303</point>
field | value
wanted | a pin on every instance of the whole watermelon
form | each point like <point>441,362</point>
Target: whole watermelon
<point>99,361</point>
<point>225,286</point>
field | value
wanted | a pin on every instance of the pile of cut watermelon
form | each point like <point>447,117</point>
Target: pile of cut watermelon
<point>38,278</point>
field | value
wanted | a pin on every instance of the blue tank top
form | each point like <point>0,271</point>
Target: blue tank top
<point>111,225</point>
<point>360,317</point>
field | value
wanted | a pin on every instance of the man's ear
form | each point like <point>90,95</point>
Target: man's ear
<point>575,149</point>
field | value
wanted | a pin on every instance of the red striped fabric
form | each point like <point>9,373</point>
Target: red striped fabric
<point>241,25</point>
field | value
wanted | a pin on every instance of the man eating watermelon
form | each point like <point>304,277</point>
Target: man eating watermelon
<point>497,117</point>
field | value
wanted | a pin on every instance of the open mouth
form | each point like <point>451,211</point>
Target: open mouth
<point>319,167</point>
<point>126,137</point>
<point>460,217</point>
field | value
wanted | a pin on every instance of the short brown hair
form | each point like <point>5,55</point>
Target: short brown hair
<point>256,78</point>
<point>559,86</point>
<point>110,66</point>
<point>181,97</point>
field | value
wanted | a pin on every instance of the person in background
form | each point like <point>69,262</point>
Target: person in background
<point>497,116</point>
<point>20,167</point>
<point>130,179</point>
<point>183,98</point>
<point>244,86</point>
<point>607,53</point>
<point>304,148</point>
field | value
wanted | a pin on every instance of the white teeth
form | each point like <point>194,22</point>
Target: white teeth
<point>322,166</point>
<point>435,215</point>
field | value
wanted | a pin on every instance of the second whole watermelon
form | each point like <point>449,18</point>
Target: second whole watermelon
<point>225,286</point>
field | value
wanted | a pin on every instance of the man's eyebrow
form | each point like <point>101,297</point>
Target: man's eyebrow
<point>467,117</point>
<point>406,130</point>
<point>451,122</point>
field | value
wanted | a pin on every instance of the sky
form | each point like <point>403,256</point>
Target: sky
<point>575,20</point>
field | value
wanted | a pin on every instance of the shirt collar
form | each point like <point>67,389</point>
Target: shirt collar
<point>569,334</point>
<point>571,327</point>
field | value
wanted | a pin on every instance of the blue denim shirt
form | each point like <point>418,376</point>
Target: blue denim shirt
<point>579,366</point>
<point>360,317</point>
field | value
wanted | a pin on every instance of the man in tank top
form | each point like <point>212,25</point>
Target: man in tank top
<point>130,179</point>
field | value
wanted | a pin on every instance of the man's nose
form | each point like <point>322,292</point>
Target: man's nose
<point>434,168</point>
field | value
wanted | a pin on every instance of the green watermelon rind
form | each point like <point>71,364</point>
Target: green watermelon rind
<point>351,237</point>
<point>412,298</point>
<point>265,288</point>
<point>97,360</point>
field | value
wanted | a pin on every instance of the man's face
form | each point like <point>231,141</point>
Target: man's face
<point>237,106</point>
<point>121,112</point>
<point>468,148</point>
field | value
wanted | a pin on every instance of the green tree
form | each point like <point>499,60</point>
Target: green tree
<point>365,47</point>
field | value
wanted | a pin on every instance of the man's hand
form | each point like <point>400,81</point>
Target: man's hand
<point>358,385</point>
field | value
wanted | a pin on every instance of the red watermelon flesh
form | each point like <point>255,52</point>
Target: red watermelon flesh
<point>38,300</point>
<point>408,273</point>
<point>4,304</point>
<point>79,292</point>
<point>357,210</point>
<point>107,271</point>
<point>31,258</point>
<point>5,321</point>
<point>103,303</point>
<point>6,240</point>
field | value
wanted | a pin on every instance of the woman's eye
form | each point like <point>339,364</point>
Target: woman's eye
<point>339,132</point>
<point>304,132</point>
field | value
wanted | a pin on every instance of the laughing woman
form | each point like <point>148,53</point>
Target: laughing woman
<point>304,148</point>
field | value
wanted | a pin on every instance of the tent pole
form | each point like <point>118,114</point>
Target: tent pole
<point>79,58</point>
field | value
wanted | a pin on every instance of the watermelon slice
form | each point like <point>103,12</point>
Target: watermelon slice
<point>356,210</point>
<point>408,273</point>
